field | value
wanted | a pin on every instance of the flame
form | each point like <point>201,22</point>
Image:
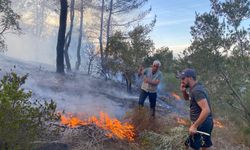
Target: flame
<point>182,121</point>
<point>177,97</point>
<point>218,124</point>
<point>113,126</point>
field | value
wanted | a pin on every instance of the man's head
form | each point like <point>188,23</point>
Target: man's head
<point>188,77</point>
<point>188,72</point>
<point>156,65</point>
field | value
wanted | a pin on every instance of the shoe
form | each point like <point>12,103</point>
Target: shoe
<point>153,112</point>
<point>140,107</point>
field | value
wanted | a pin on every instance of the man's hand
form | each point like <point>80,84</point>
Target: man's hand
<point>182,87</point>
<point>184,92</point>
<point>192,129</point>
<point>146,80</point>
<point>152,82</point>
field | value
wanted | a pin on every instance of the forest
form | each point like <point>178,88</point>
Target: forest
<point>99,46</point>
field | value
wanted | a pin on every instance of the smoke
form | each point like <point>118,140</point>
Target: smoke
<point>75,93</point>
<point>32,48</point>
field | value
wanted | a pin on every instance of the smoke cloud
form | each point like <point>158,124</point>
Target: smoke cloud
<point>75,93</point>
<point>32,48</point>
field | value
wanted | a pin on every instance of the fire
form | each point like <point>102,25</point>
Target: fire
<point>182,121</point>
<point>114,127</point>
<point>177,97</point>
<point>218,124</point>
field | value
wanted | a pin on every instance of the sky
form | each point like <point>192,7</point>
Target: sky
<point>174,19</point>
<point>172,29</point>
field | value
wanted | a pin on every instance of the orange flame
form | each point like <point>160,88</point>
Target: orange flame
<point>218,124</point>
<point>177,97</point>
<point>182,121</point>
<point>113,126</point>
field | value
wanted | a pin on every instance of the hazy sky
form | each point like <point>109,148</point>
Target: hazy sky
<point>172,29</point>
<point>174,19</point>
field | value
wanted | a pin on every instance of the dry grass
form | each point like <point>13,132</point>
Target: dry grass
<point>164,132</point>
<point>91,137</point>
<point>230,137</point>
<point>159,133</point>
<point>142,120</point>
<point>173,140</point>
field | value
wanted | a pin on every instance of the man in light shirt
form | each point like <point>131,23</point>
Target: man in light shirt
<point>151,78</point>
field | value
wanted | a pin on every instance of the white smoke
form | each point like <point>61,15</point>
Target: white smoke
<point>31,48</point>
<point>76,93</point>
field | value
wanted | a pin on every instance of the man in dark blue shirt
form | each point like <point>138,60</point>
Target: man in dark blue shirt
<point>200,111</point>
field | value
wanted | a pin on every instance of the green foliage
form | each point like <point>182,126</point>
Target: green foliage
<point>234,11</point>
<point>171,82</point>
<point>164,55</point>
<point>220,54</point>
<point>22,120</point>
<point>119,50</point>
<point>128,54</point>
<point>8,21</point>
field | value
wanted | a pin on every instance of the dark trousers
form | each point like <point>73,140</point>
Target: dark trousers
<point>152,99</point>
<point>199,140</point>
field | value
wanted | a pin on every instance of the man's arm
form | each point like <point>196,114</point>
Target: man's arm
<point>153,82</point>
<point>205,110</point>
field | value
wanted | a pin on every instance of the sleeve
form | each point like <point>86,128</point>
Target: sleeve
<point>159,77</point>
<point>199,95</point>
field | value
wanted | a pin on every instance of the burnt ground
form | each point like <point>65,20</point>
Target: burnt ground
<point>80,93</point>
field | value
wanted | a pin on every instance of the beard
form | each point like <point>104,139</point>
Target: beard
<point>187,85</point>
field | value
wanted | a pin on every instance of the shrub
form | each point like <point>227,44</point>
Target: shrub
<point>22,120</point>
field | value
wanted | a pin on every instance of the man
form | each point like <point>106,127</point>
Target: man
<point>200,111</point>
<point>151,78</point>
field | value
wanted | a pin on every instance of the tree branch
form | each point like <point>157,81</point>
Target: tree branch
<point>238,97</point>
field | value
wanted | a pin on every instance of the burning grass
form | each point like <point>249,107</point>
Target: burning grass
<point>218,123</point>
<point>169,131</point>
<point>98,133</point>
<point>90,137</point>
<point>227,135</point>
<point>148,130</point>
<point>113,127</point>
<point>165,131</point>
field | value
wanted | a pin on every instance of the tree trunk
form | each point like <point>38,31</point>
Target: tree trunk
<point>61,37</point>
<point>89,66</point>
<point>78,55</point>
<point>100,40</point>
<point>129,87</point>
<point>128,82</point>
<point>39,17</point>
<point>69,34</point>
<point>108,28</point>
